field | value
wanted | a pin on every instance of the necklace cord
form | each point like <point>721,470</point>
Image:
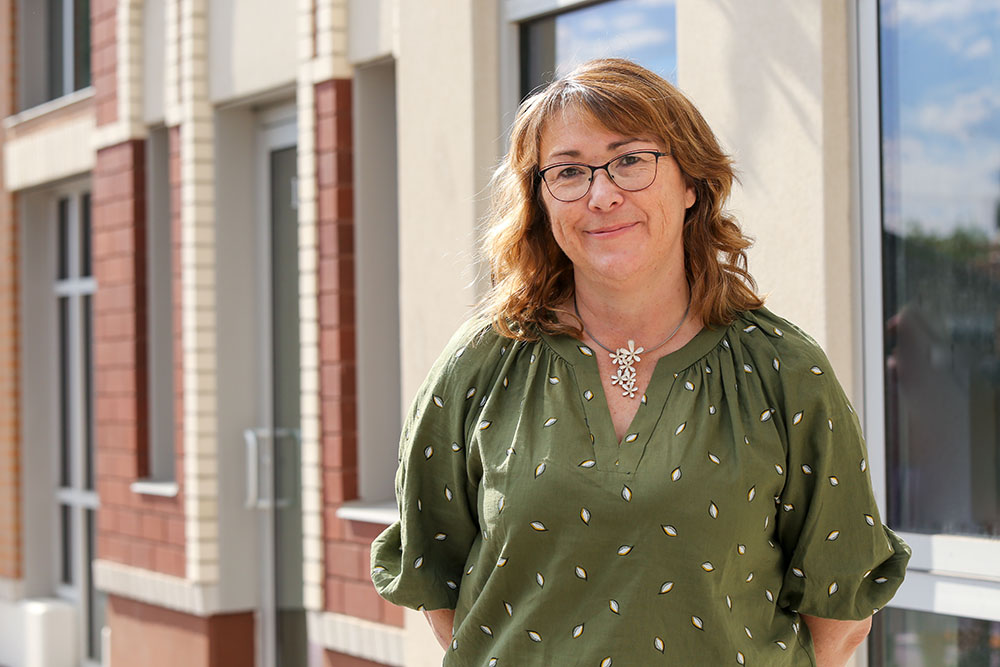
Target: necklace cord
<point>673,333</point>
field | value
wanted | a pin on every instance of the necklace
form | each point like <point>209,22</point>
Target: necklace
<point>626,357</point>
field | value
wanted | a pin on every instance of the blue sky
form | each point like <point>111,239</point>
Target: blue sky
<point>941,114</point>
<point>643,30</point>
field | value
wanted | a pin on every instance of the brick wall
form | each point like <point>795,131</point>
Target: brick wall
<point>143,531</point>
<point>103,58</point>
<point>348,588</point>
<point>10,463</point>
<point>155,637</point>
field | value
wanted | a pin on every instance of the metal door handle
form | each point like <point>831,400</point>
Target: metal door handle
<point>252,441</point>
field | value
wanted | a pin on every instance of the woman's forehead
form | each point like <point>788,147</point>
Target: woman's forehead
<point>569,132</point>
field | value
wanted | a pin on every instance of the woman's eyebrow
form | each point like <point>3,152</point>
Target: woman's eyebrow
<point>614,145</point>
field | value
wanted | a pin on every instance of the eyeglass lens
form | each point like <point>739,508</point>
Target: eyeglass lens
<point>632,171</point>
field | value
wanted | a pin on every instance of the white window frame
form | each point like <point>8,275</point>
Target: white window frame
<point>75,495</point>
<point>948,574</point>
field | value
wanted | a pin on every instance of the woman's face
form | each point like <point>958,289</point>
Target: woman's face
<point>612,235</point>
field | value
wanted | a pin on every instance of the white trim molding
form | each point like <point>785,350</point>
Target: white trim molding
<point>383,513</point>
<point>357,637</point>
<point>198,295</point>
<point>50,153</point>
<point>129,124</point>
<point>937,593</point>
<point>154,588</point>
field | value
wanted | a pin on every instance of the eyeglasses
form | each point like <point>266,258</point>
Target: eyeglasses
<point>633,171</point>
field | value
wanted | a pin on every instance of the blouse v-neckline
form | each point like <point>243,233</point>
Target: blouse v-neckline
<point>610,454</point>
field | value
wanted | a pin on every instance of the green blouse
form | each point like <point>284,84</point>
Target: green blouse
<point>739,496</point>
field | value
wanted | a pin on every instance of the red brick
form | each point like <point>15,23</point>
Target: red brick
<point>333,527</point>
<point>175,531</point>
<point>335,659</point>
<point>342,560</point>
<point>326,102</point>
<point>340,416</point>
<point>391,614</point>
<point>129,523</point>
<point>334,595</point>
<point>362,532</point>
<point>338,379</point>
<point>336,345</point>
<point>342,128</point>
<point>361,600</point>
<point>340,485</point>
<point>335,204</point>
<point>154,527</point>
<point>142,554</point>
<point>340,451</point>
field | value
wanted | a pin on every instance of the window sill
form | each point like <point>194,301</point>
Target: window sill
<point>382,512</point>
<point>147,487</point>
<point>45,108</point>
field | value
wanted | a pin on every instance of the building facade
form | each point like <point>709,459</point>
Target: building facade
<point>234,236</point>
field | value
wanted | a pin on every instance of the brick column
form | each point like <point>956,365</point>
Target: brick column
<point>143,531</point>
<point>10,433</point>
<point>348,587</point>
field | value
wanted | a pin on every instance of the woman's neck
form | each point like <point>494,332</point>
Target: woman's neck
<point>615,314</point>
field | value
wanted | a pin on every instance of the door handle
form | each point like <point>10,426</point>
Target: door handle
<point>251,439</point>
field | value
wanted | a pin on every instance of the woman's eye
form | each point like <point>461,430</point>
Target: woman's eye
<point>569,173</point>
<point>631,160</point>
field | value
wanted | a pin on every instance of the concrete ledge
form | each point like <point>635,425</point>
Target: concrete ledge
<point>52,152</point>
<point>357,637</point>
<point>384,512</point>
<point>11,590</point>
<point>39,632</point>
<point>161,590</point>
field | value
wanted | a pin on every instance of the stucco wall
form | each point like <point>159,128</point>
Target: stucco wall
<point>773,85</point>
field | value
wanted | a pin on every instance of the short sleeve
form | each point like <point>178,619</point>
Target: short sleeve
<point>841,562</point>
<point>418,561</point>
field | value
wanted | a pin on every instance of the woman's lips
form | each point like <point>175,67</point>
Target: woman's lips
<point>612,230</point>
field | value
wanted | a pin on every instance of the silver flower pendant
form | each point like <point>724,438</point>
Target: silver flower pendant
<point>625,359</point>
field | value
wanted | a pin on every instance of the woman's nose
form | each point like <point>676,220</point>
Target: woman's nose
<point>604,193</point>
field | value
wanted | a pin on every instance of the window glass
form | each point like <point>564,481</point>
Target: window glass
<point>642,30</point>
<point>66,534</point>
<point>81,44</point>
<point>918,639</point>
<point>97,600</point>
<point>65,378</point>
<point>940,111</point>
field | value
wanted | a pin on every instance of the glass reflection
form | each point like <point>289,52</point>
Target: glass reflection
<point>642,30</point>
<point>941,264</point>
<point>918,639</point>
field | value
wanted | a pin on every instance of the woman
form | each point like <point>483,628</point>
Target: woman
<point>627,459</point>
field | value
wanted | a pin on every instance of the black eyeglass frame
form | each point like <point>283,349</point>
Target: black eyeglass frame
<point>595,168</point>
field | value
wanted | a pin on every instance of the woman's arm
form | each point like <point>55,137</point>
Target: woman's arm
<point>834,641</point>
<point>442,621</point>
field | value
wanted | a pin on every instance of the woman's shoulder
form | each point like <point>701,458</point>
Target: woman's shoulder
<point>475,347</point>
<point>800,361</point>
<point>779,333</point>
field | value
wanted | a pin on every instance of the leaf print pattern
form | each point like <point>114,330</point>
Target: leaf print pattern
<point>572,466</point>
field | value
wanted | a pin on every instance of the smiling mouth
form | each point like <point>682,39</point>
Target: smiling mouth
<point>608,231</point>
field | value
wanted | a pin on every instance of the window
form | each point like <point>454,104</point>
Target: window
<point>642,30</point>
<point>159,308</point>
<point>54,40</point>
<point>76,497</point>
<point>932,111</point>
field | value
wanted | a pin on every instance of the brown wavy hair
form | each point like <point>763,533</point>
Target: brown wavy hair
<point>530,274</point>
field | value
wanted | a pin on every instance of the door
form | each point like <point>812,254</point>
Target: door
<point>273,446</point>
